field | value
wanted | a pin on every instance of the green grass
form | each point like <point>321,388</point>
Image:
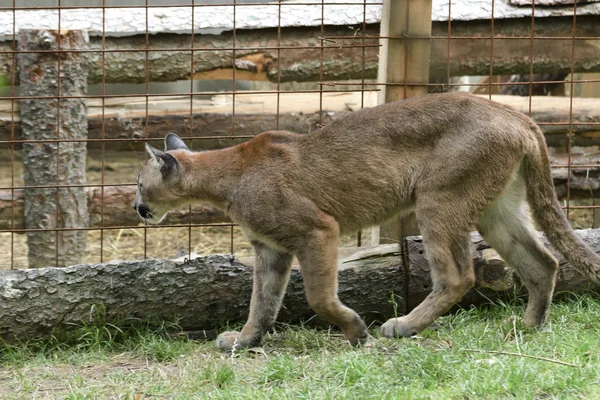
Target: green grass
<point>476,353</point>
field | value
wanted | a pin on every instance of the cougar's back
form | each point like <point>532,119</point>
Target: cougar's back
<point>365,167</point>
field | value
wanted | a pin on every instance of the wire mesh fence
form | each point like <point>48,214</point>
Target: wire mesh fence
<point>218,73</point>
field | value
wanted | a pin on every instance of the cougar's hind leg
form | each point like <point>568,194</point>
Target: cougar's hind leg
<point>459,182</point>
<point>271,275</point>
<point>319,264</point>
<point>507,228</point>
<point>447,246</point>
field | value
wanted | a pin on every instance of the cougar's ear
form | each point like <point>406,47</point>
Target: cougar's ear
<point>174,142</point>
<point>168,165</point>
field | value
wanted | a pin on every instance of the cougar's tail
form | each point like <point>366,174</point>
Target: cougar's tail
<point>548,213</point>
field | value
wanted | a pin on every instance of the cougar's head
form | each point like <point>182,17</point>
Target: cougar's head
<point>159,181</point>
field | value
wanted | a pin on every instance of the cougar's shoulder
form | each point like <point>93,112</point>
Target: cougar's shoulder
<point>268,147</point>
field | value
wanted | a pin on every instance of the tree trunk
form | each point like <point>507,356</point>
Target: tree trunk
<point>207,292</point>
<point>48,162</point>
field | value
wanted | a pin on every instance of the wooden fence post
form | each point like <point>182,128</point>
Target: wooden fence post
<point>49,162</point>
<point>403,61</point>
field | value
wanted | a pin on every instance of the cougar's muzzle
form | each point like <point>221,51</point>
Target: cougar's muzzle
<point>144,212</point>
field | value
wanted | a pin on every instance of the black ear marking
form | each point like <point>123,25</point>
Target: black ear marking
<point>168,164</point>
<point>174,142</point>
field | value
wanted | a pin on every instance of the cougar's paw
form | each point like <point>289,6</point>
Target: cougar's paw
<point>397,327</point>
<point>235,340</point>
<point>229,340</point>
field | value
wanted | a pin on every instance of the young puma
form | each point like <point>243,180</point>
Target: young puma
<point>455,159</point>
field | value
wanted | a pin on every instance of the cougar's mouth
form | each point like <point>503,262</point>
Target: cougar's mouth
<point>144,212</point>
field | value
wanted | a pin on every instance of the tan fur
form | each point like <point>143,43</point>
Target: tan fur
<point>457,160</point>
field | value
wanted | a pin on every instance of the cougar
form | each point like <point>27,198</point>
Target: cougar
<point>458,161</point>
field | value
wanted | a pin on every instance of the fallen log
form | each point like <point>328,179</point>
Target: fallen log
<point>584,183</point>
<point>107,208</point>
<point>122,123</point>
<point>170,58</point>
<point>208,292</point>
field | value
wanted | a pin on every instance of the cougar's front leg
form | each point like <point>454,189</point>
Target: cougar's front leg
<point>318,261</point>
<point>271,275</point>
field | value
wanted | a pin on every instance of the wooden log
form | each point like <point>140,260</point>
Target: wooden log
<point>511,56</point>
<point>340,61</point>
<point>213,56</point>
<point>114,203</point>
<point>204,293</point>
<point>47,163</point>
<point>210,291</point>
<point>139,20</point>
<point>584,182</point>
<point>125,119</point>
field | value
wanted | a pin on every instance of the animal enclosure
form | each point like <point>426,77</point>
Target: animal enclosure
<point>84,84</point>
